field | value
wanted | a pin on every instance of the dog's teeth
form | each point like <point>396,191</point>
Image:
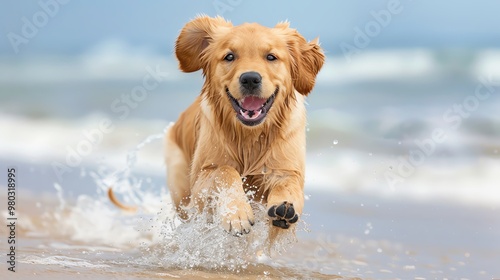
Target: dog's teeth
<point>250,115</point>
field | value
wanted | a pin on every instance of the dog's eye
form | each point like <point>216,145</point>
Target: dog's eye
<point>229,57</point>
<point>271,57</point>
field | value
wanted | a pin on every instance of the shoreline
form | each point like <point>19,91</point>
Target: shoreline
<point>346,235</point>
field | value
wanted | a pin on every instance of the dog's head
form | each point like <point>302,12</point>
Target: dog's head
<point>251,71</point>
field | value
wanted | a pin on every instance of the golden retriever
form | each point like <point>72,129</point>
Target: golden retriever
<point>245,132</point>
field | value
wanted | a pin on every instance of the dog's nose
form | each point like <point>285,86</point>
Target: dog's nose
<point>250,80</point>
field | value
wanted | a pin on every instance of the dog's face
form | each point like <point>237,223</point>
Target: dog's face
<point>251,71</point>
<point>250,64</point>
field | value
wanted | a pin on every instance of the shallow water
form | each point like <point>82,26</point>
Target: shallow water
<point>342,235</point>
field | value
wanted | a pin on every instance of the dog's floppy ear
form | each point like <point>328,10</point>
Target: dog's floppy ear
<point>194,38</point>
<point>307,58</point>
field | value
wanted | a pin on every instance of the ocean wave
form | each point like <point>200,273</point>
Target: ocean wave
<point>341,157</point>
<point>117,60</point>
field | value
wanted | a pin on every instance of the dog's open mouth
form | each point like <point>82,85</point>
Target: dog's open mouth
<point>252,110</point>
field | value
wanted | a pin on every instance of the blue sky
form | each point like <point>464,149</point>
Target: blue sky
<point>79,25</point>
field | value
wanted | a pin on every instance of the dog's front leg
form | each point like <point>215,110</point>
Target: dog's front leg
<point>285,201</point>
<point>221,187</point>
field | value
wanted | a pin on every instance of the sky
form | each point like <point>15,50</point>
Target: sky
<point>71,27</point>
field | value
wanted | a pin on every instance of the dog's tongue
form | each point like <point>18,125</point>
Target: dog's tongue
<point>252,103</point>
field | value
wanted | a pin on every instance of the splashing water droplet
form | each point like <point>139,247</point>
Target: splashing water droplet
<point>335,142</point>
<point>60,196</point>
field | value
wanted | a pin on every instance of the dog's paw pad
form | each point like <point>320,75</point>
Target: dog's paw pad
<point>281,224</point>
<point>283,215</point>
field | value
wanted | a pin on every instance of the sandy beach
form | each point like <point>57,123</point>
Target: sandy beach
<point>63,232</point>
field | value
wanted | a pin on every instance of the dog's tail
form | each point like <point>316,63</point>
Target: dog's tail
<point>118,204</point>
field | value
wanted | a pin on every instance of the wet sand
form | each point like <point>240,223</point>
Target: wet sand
<point>344,236</point>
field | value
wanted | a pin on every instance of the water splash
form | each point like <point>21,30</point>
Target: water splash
<point>60,196</point>
<point>198,243</point>
<point>155,232</point>
<point>201,242</point>
<point>92,218</point>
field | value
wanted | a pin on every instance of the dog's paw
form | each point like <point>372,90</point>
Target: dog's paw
<point>283,215</point>
<point>238,218</point>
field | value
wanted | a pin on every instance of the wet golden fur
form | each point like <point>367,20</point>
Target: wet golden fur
<point>209,150</point>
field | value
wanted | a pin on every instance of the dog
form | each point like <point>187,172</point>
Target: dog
<point>245,132</point>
